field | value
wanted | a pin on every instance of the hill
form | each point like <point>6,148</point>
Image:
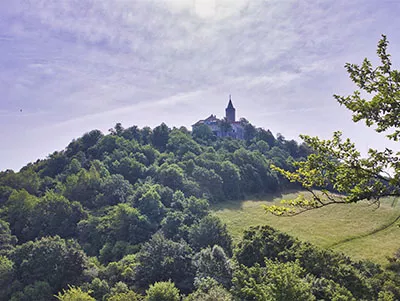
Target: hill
<point>358,230</point>
<point>127,215</point>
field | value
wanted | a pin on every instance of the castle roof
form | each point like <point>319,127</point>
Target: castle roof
<point>212,118</point>
<point>230,105</point>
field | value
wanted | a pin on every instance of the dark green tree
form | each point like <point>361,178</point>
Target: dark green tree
<point>51,259</point>
<point>230,175</point>
<point>210,231</point>
<point>161,259</point>
<point>54,215</point>
<point>7,240</point>
<point>213,263</point>
<point>7,276</point>
<point>203,134</point>
<point>160,137</point>
<point>275,281</point>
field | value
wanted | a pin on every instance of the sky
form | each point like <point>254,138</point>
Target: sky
<point>71,66</point>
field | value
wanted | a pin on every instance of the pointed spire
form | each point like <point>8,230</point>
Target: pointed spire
<point>230,105</point>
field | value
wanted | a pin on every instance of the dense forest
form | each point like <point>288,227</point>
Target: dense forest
<point>125,216</point>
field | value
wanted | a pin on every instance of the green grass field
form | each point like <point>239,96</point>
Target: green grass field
<point>354,229</point>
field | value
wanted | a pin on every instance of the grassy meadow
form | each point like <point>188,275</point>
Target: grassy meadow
<point>358,230</point>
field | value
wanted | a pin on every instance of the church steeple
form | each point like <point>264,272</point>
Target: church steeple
<point>230,111</point>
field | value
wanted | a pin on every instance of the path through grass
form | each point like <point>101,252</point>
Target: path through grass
<point>355,229</point>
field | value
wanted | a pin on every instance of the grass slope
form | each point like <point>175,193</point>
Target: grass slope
<point>358,230</point>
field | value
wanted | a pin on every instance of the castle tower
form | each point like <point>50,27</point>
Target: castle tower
<point>230,112</point>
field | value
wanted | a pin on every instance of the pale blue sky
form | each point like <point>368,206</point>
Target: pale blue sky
<point>77,65</point>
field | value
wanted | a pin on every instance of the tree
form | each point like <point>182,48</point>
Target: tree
<point>51,259</point>
<point>250,130</point>
<point>213,263</point>
<point>259,243</point>
<point>203,133</point>
<point>162,291</point>
<point>210,181</point>
<point>84,186</point>
<point>53,215</point>
<point>160,137</point>
<point>127,296</point>
<point>130,168</point>
<point>125,223</point>
<point>115,189</point>
<point>19,208</point>
<point>161,259</point>
<point>225,126</point>
<point>7,240</point>
<point>74,294</point>
<point>336,164</point>
<point>171,176</point>
<point>37,291</point>
<point>267,136</point>
<point>208,289</point>
<point>230,175</point>
<point>150,205</point>
<point>210,231</point>
<point>275,281</point>
<point>180,143</point>
<point>6,276</point>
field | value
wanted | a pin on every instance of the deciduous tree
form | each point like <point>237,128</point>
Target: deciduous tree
<point>337,164</point>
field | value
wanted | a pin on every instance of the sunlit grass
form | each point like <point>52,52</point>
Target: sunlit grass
<point>345,228</point>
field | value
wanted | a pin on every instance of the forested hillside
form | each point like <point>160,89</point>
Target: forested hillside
<point>125,216</point>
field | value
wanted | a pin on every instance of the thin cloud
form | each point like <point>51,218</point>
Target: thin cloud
<point>91,63</point>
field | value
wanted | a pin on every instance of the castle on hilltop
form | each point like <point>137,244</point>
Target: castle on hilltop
<point>227,127</point>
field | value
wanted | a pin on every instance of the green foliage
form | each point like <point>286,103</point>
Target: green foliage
<point>121,223</point>
<point>83,186</point>
<point>130,168</point>
<point>98,288</point>
<point>265,242</point>
<point>128,296</point>
<point>203,134</point>
<point>51,259</point>
<point>160,137</point>
<point>209,290</point>
<point>213,263</point>
<point>181,143</point>
<point>137,201</point>
<point>209,181</point>
<point>38,291</point>
<point>210,231</point>
<point>55,215</point>
<point>275,281</point>
<point>20,205</point>
<point>171,176</point>
<point>74,294</point>
<point>7,274</point>
<point>332,274</point>
<point>336,164</point>
<point>26,179</point>
<point>161,259</point>
<point>394,262</point>
<point>382,110</point>
<point>7,240</point>
<point>150,205</point>
<point>114,190</point>
<point>121,271</point>
<point>162,291</point>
